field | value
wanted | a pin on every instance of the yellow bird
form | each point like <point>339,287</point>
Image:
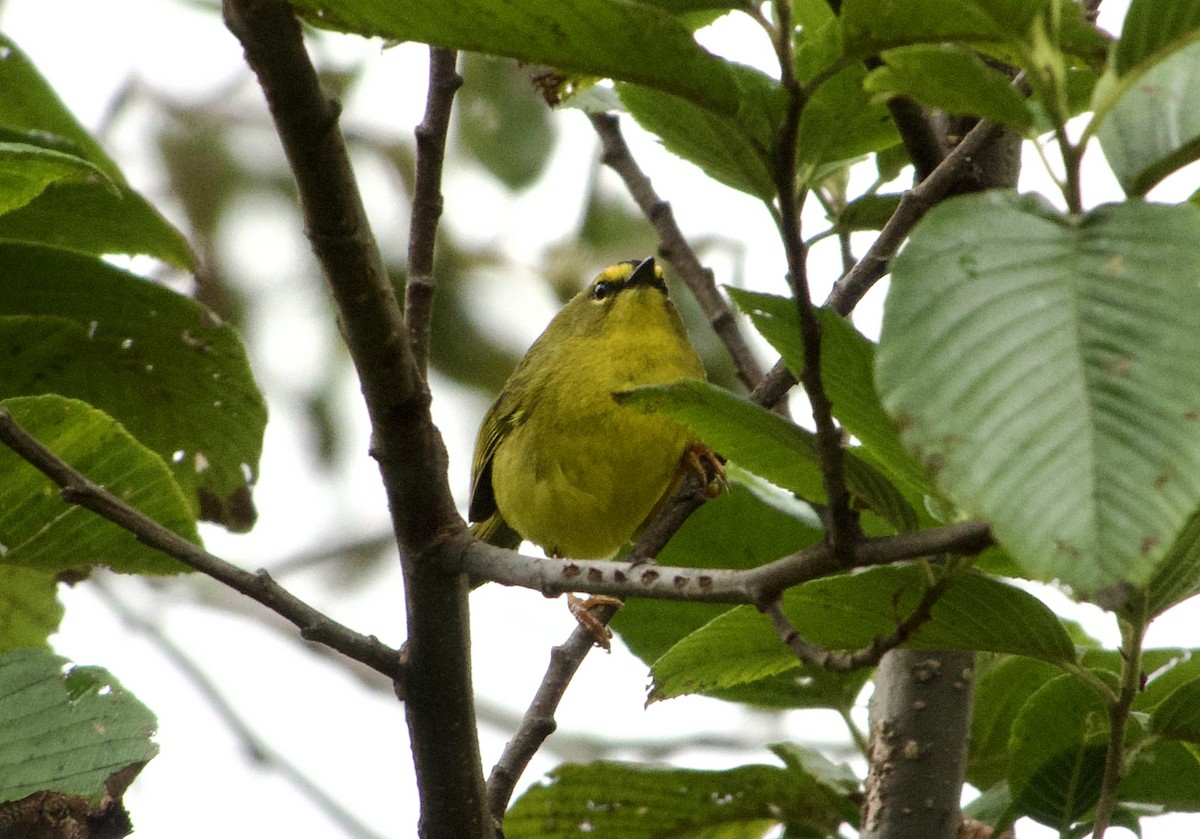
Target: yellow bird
<point>558,461</point>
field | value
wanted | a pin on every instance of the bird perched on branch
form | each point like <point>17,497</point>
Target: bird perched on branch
<point>558,462</point>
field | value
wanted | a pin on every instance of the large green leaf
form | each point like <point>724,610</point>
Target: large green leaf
<point>1165,775</point>
<point>66,729</point>
<point>840,121</point>
<point>40,530</point>
<point>1154,127</point>
<point>628,801</point>
<point>848,373</point>
<point>163,365</point>
<point>29,607</point>
<point>849,612</point>
<point>768,445</point>
<point>631,42</point>
<point>1044,367</point>
<point>100,216</point>
<point>1056,752</point>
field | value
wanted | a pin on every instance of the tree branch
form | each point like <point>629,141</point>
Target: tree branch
<point>841,524</point>
<point>538,722</point>
<point>847,660</point>
<point>314,625</point>
<point>444,82</point>
<point>758,586</point>
<point>412,458</point>
<point>675,248</point>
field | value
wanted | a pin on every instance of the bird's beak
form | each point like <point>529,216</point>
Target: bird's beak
<point>644,274</point>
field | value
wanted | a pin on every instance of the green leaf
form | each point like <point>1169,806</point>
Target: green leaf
<point>768,445</point>
<point>841,122</point>
<point>26,170</point>
<point>848,372</point>
<point>40,530</point>
<point>29,607</point>
<point>629,801</point>
<point>849,612</point>
<point>101,216</point>
<point>872,26</point>
<point>1041,366</point>
<point>161,364</point>
<point>723,145</point>
<point>1056,751</point>
<point>1165,669</point>
<point>737,529</point>
<point>1002,688</point>
<point>1153,129</point>
<point>868,212</point>
<point>575,37</point>
<point>30,106</point>
<point>953,79</point>
<point>1165,775</point>
<point>66,729</point>
<point>1178,716</point>
<point>1152,28</point>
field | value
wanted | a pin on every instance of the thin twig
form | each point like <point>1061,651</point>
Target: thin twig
<point>538,722</point>
<point>255,747</point>
<point>757,586</point>
<point>842,524</point>
<point>444,82</point>
<point>843,661</point>
<point>314,625</point>
<point>675,248</point>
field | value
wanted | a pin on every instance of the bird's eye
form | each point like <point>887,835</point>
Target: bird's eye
<point>601,290</point>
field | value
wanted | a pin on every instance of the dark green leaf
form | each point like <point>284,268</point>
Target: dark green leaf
<point>953,79</point>
<point>1152,28</point>
<point>1001,689</point>
<point>29,608</point>
<point>66,729</point>
<point>841,122</point>
<point>627,801</point>
<point>40,530</point>
<point>872,26</point>
<point>1056,751</point>
<point>1153,129</point>
<point>848,372</point>
<point>1042,367</point>
<point>1178,716</point>
<point>870,212</point>
<point>734,530</point>
<point>163,365</point>
<point>103,216</point>
<point>26,170</point>
<point>768,445</point>
<point>1163,775</point>
<point>29,105</point>
<point>849,612</point>
<point>575,37</point>
<point>734,148</point>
